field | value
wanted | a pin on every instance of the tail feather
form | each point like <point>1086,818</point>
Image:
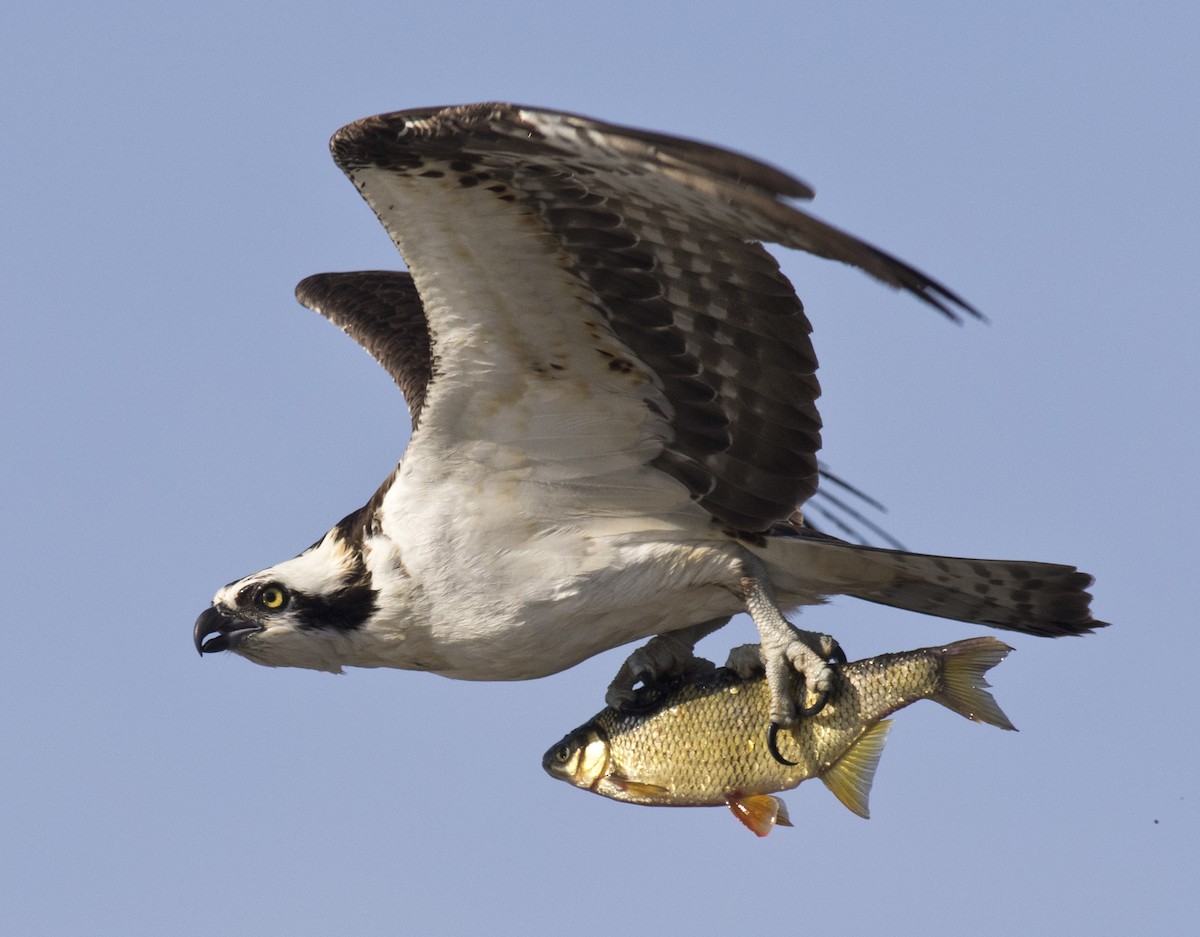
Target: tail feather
<point>963,686</point>
<point>1035,598</point>
<point>1044,599</point>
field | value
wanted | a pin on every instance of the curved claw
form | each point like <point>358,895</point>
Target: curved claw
<point>649,695</point>
<point>837,655</point>
<point>803,712</point>
<point>822,699</point>
<point>773,744</point>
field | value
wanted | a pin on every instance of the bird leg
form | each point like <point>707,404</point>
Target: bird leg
<point>665,655</point>
<point>786,649</point>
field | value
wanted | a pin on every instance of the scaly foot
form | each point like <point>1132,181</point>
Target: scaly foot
<point>666,655</point>
<point>786,650</point>
<point>746,661</point>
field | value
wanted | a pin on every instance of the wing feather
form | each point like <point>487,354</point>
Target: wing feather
<point>618,278</point>
<point>381,310</point>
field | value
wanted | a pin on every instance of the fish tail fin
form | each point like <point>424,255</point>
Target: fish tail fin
<point>759,813</point>
<point>963,685</point>
<point>850,777</point>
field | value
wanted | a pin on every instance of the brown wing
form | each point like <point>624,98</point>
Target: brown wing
<point>654,240</point>
<point>379,309</point>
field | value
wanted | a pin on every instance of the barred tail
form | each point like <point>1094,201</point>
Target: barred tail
<point>1044,599</point>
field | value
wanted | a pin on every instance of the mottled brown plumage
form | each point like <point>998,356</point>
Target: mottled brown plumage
<point>381,310</point>
<point>663,234</point>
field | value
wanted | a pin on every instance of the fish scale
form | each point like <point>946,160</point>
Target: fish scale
<point>704,743</point>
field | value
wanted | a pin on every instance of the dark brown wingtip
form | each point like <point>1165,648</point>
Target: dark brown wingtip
<point>382,311</point>
<point>404,140</point>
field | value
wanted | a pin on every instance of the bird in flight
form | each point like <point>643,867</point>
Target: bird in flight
<point>614,425</point>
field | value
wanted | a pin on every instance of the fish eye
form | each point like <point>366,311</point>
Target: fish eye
<point>271,596</point>
<point>562,754</point>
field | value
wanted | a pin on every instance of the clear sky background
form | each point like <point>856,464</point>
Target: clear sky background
<point>172,420</point>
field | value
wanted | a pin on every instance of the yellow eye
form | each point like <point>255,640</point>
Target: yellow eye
<point>273,597</point>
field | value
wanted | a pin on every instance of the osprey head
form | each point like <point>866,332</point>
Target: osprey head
<point>303,612</point>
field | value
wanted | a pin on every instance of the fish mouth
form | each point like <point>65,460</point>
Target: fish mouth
<point>217,630</point>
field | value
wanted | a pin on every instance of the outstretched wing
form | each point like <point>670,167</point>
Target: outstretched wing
<point>599,301</point>
<point>381,310</point>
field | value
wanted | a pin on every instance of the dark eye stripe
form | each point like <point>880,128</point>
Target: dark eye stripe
<point>346,609</point>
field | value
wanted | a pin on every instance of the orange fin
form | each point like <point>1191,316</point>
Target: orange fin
<point>851,775</point>
<point>760,813</point>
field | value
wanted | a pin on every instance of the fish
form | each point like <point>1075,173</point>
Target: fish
<point>701,742</point>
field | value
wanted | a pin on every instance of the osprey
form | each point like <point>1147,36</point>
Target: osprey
<point>612,393</point>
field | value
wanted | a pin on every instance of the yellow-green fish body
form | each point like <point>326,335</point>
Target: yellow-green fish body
<point>706,745</point>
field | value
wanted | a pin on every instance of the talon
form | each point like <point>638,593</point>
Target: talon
<point>787,651</point>
<point>773,743</point>
<point>822,699</point>
<point>647,697</point>
<point>663,658</point>
<point>620,698</point>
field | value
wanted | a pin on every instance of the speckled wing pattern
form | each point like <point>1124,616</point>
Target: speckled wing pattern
<point>608,292</point>
<point>381,310</point>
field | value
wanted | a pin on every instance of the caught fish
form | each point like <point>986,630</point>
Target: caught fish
<point>702,744</point>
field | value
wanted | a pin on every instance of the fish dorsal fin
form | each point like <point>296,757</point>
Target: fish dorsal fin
<point>851,775</point>
<point>760,813</point>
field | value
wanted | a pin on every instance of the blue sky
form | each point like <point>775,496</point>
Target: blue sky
<point>173,420</point>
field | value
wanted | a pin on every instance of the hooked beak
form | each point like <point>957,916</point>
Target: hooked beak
<point>218,631</point>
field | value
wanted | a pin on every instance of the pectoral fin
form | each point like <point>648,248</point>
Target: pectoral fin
<point>759,813</point>
<point>851,775</point>
<point>641,789</point>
